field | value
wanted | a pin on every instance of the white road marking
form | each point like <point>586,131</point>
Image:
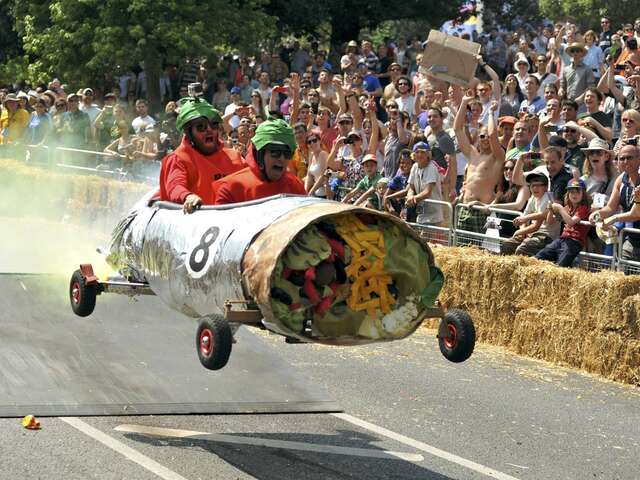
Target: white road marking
<point>263,442</point>
<point>23,286</point>
<point>124,450</point>
<point>450,457</point>
<point>517,466</point>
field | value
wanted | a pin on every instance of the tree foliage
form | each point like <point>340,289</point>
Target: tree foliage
<point>587,13</point>
<point>82,40</point>
<point>510,13</point>
<point>348,17</point>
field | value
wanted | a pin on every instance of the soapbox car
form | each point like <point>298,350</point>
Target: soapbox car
<point>309,269</point>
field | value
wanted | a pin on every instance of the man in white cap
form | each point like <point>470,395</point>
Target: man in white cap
<point>576,77</point>
<point>13,120</point>
<point>87,106</point>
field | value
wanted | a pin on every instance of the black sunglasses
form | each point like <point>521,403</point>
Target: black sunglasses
<point>202,126</point>
<point>276,154</point>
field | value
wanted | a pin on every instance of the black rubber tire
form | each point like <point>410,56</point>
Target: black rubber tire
<point>460,347</point>
<point>81,295</point>
<point>220,338</point>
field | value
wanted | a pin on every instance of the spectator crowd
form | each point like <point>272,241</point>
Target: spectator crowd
<point>548,128</point>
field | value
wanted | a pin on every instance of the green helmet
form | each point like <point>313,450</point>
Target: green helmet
<point>192,108</point>
<point>274,131</point>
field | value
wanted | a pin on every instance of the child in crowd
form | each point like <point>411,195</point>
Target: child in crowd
<point>565,249</point>
<point>424,183</point>
<point>534,232</point>
<point>396,188</point>
<point>366,188</point>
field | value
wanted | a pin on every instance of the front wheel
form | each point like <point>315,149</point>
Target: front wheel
<point>81,295</point>
<point>456,335</point>
<point>213,342</point>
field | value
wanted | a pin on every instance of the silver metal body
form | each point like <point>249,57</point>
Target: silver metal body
<point>157,243</point>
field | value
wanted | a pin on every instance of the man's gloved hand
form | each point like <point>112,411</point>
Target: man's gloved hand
<point>191,203</point>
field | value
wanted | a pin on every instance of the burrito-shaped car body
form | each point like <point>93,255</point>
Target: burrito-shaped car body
<point>317,270</point>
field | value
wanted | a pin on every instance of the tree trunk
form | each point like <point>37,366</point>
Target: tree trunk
<point>153,69</point>
<point>343,29</point>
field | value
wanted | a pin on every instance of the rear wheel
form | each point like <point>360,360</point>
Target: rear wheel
<point>81,295</point>
<point>213,342</point>
<point>456,335</point>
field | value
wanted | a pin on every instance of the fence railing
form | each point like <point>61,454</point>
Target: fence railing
<point>489,237</point>
<point>445,233</point>
<point>106,164</point>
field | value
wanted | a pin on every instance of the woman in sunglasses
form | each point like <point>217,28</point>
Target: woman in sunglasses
<point>316,180</point>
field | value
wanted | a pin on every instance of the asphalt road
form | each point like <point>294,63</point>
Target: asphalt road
<point>495,416</point>
<point>408,413</point>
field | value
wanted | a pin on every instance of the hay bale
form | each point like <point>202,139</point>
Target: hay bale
<point>538,334</point>
<point>64,194</point>
<point>582,319</point>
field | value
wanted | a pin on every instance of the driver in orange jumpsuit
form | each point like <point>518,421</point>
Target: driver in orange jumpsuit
<point>187,175</point>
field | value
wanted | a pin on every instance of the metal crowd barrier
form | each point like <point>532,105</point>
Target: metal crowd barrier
<point>445,233</point>
<point>624,264</point>
<point>85,161</point>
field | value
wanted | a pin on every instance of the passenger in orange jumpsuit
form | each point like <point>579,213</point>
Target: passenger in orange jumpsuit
<point>268,156</point>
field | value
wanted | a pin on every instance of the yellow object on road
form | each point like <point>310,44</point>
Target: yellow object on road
<point>30,422</point>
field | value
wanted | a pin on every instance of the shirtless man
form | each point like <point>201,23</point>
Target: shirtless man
<point>327,91</point>
<point>484,167</point>
<point>390,92</point>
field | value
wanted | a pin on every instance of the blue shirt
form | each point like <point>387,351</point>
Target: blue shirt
<point>532,107</point>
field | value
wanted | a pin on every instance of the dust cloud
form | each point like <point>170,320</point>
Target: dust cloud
<point>52,221</point>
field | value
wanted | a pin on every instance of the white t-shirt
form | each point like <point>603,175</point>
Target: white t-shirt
<point>407,104</point>
<point>419,178</point>
<point>93,111</point>
<point>235,120</point>
<point>539,205</point>
<point>139,123</point>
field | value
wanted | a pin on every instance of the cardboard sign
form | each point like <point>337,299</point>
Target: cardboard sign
<point>450,58</point>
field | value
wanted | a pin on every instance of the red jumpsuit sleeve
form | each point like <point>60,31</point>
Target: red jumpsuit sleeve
<point>223,194</point>
<point>177,181</point>
<point>297,187</point>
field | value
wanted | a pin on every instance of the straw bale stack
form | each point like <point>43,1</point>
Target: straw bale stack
<point>45,192</point>
<point>569,316</point>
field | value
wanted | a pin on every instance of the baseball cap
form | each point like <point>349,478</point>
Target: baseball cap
<point>537,176</point>
<point>370,157</point>
<point>421,146</point>
<point>508,119</point>
<point>72,95</point>
<point>87,92</point>
<point>235,90</point>
<point>557,141</point>
<point>576,183</point>
<point>355,133</point>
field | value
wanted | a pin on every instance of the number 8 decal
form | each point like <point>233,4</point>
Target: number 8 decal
<point>198,260</point>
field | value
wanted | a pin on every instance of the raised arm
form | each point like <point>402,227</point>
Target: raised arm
<point>295,98</point>
<point>496,148</point>
<point>458,126</point>
<point>375,128</point>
